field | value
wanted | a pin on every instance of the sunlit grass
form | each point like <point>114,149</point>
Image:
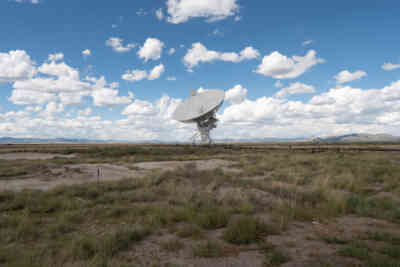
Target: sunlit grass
<point>95,224</point>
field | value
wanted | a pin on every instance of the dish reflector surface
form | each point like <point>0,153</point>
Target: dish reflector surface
<point>198,105</point>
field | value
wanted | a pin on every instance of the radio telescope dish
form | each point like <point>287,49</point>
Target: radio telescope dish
<point>200,108</point>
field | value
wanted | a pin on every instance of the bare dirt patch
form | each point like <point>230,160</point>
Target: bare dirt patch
<point>32,156</point>
<point>85,173</point>
<point>69,175</point>
<point>150,253</point>
<point>200,165</point>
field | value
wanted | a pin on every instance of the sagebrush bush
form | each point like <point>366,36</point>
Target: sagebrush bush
<point>246,230</point>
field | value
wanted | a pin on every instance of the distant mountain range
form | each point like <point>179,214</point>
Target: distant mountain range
<point>12,140</point>
<point>260,140</point>
<point>349,138</point>
<point>359,137</point>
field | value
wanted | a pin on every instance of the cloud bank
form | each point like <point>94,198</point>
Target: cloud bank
<point>138,75</point>
<point>279,66</point>
<point>180,11</point>
<point>199,53</point>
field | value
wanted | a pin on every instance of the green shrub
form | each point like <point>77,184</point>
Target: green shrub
<point>246,230</point>
<point>189,231</point>
<point>213,218</point>
<point>84,248</point>
<point>208,249</point>
<point>392,251</point>
<point>276,258</point>
<point>361,253</point>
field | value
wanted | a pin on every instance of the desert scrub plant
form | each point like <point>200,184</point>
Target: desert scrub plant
<point>38,257</point>
<point>9,220</point>
<point>383,236</point>
<point>190,231</point>
<point>59,229</point>
<point>355,250</point>
<point>8,173</point>
<point>246,230</point>
<point>28,229</point>
<point>117,212</point>
<point>173,245</point>
<point>207,249</point>
<point>213,218</point>
<point>122,239</point>
<point>275,257</point>
<point>381,262</point>
<point>11,169</point>
<point>74,217</point>
<point>333,239</point>
<point>385,208</point>
<point>243,207</point>
<point>159,215</point>
<point>105,247</point>
<point>83,248</point>
<point>391,251</point>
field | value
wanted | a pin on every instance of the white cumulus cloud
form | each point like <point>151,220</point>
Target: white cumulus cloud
<point>280,66</point>
<point>139,107</point>
<point>236,95</point>
<point>339,110</point>
<point>86,52</point>
<point>16,65</point>
<point>199,53</point>
<point>28,1</point>
<point>85,112</point>
<point>278,84</point>
<point>295,88</point>
<point>151,49</point>
<point>159,14</point>
<point>390,66</point>
<point>56,57</point>
<point>156,72</point>
<point>31,97</point>
<point>53,108</point>
<point>117,46</point>
<point>213,10</point>
<point>58,82</point>
<point>305,43</point>
<point>346,76</point>
<point>138,75</point>
<point>59,69</point>
<point>171,51</point>
<point>106,94</point>
<point>134,75</point>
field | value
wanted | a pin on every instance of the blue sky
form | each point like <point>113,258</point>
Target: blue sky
<point>290,69</point>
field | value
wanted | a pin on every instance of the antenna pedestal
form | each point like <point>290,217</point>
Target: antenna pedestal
<point>201,108</point>
<point>204,126</point>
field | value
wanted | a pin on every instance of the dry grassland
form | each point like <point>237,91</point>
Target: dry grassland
<point>243,207</point>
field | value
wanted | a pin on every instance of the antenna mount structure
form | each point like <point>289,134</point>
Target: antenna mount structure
<point>201,108</point>
<point>204,126</point>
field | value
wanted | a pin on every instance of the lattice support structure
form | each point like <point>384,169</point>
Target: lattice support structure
<point>204,126</point>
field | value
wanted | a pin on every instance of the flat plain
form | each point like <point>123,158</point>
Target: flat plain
<point>295,204</point>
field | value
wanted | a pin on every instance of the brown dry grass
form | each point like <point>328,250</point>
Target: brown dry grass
<point>306,206</point>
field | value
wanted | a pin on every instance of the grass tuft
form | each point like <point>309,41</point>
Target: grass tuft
<point>190,231</point>
<point>207,249</point>
<point>173,245</point>
<point>213,218</point>
<point>246,230</point>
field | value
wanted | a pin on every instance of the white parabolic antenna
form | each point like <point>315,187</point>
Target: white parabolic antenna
<point>200,108</point>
